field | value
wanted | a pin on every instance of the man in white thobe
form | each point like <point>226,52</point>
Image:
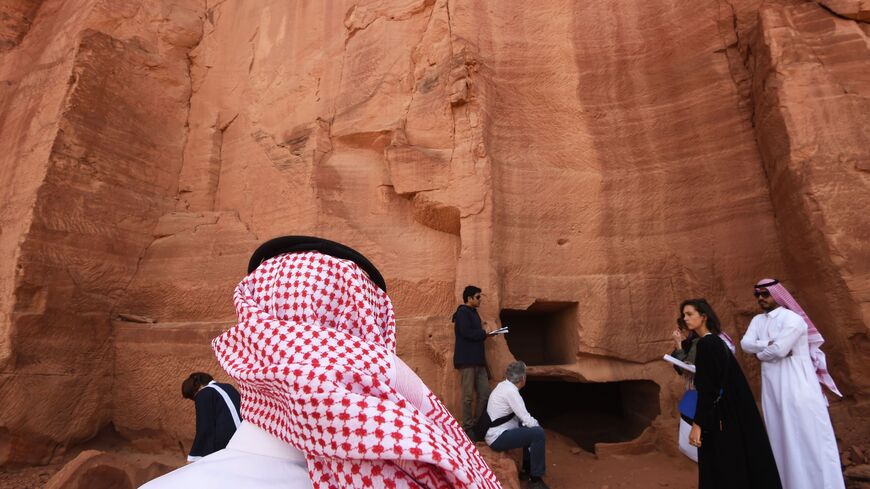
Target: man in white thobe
<point>253,458</point>
<point>326,401</point>
<point>795,409</point>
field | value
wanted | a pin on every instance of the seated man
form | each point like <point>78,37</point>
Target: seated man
<point>504,401</point>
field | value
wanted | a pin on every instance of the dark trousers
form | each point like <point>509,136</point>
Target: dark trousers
<point>531,440</point>
<point>473,378</point>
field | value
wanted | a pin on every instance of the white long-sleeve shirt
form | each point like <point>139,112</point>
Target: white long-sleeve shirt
<point>503,400</point>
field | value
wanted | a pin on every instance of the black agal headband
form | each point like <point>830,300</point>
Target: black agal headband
<point>767,284</point>
<point>295,244</point>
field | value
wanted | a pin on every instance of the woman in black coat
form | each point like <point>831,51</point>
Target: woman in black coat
<point>217,413</point>
<point>733,449</point>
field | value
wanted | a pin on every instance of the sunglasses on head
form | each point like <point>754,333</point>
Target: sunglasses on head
<point>761,293</point>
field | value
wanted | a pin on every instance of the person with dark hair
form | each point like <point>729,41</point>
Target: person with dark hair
<point>686,347</point>
<point>793,371</point>
<point>469,357</point>
<point>733,448</point>
<point>217,413</point>
<point>193,383</point>
<point>685,343</point>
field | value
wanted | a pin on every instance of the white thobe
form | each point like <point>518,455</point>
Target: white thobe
<point>253,459</point>
<point>795,410</point>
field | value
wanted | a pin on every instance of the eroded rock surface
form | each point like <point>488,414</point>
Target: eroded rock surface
<point>94,469</point>
<point>589,166</point>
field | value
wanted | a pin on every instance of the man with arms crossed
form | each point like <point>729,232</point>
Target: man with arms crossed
<point>795,409</point>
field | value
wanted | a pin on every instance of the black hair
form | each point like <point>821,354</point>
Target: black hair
<point>705,309</point>
<point>194,383</point>
<point>470,291</point>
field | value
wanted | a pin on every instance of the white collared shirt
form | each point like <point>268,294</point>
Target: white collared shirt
<point>503,400</point>
<point>253,459</point>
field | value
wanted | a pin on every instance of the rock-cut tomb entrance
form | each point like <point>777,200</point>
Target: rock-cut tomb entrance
<point>545,336</point>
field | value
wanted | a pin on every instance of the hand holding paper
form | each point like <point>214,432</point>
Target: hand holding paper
<point>502,330</point>
<point>679,363</point>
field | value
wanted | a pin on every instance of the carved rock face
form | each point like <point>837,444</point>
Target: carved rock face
<point>589,167</point>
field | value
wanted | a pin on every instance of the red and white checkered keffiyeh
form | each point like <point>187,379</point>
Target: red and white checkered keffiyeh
<point>314,357</point>
<point>785,299</point>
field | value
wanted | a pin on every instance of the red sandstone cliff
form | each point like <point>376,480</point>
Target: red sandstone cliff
<point>586,164</point>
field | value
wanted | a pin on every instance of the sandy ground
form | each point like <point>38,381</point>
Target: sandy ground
<point>568,468</point>
<point>26,477</point>
<point>565,470</point>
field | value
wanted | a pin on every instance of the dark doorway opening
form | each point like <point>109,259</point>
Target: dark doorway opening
<point>590,413</point>
<point>544,334</point>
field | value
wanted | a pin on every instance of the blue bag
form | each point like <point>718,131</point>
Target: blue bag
<point>688,404</point>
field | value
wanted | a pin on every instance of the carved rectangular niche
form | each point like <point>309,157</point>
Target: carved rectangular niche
<point>546,333</point>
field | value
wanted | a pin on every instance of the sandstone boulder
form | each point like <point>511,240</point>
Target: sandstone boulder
<point>93,469</point>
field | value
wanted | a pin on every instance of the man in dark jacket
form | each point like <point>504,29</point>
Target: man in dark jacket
<point>469,356</point>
